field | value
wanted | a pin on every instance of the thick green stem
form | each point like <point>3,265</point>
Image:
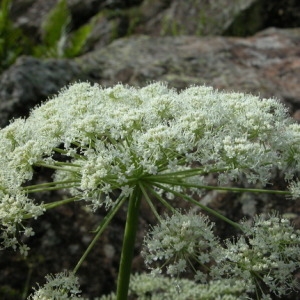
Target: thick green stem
<point>128,244</point>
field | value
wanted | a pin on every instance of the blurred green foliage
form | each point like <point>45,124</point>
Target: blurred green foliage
<point>54,31</point>
<point>12,42</point>
<point>57,40</point>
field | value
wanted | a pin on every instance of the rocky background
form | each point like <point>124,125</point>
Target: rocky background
<point>251,46</point>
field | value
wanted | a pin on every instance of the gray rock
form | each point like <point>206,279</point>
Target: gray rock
<point>29,15</point>
<point>265,64</point>
<point>170,18</point>
<point>30,81</point>
<point>191,17</point>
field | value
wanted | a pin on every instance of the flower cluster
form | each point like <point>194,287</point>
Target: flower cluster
<point>267,252</point>
<point>265,255</point>
<point>110,138</point>
<point>14,203</point>
<point>59,287</point>
<point>179,242</point>
<point>104,143</point>
<point>145,286</point>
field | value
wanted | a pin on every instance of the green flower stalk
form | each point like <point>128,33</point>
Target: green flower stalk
<point>109,145</point>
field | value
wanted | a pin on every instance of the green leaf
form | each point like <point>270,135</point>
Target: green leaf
<point>4,15</point>
<point>78,40</point>
<point>12,41</point>
<point>55,25</point>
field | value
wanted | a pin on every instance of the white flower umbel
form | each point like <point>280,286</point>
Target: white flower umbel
<point>179,242</point>
<point>107,146</point>
<point>58,287</point>
<point>145,286</point>
<point>267,253</point>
